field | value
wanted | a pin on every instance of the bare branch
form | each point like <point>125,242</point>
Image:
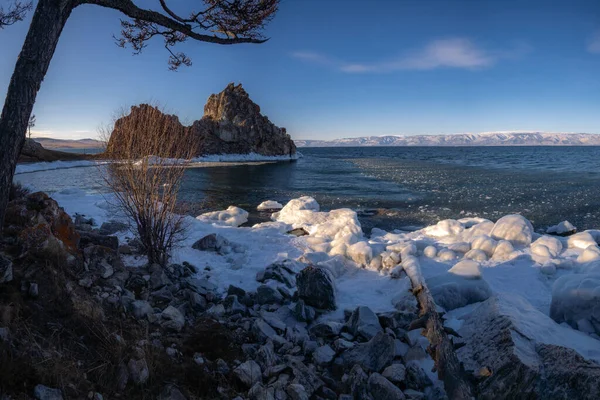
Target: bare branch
<point>15,13</point>
<point>221,21</point>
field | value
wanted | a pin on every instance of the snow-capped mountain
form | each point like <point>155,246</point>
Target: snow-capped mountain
<point>464,139</point>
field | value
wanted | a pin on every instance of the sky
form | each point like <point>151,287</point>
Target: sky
<point>344,68</point>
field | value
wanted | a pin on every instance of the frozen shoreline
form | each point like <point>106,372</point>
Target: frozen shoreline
<point>196,162</point>
<point>363,265</point>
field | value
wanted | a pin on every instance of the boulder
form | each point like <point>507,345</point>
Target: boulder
<point>249,373</point>
<point>508,336</point>
<point>564,228</point>
<point>547,246</point>
<point>112,227</point>
<point>316,288</point>
<point>576,301</point>
<point>382,389</point>
<point>363,322</point>
<point>213,242</point>
<point>373,355</point>
<point>395,373</point>
<point>172,319</point>
<point>266,294</point>
<point>269,205</point>
<point>514,228</point>
<point>6,270</point>
<point>93,238</point>
<point>454,291</point>
<point>323,355</point>
<point>41,392</point>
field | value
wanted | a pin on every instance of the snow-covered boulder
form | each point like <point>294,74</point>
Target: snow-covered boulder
<point>482,228</point>
<point>476,255</point>
<point>547,246</point>
<point>581,240</point>
<point>503,250</point>
<point>446,255</point>
<point>564,228</point>
<point>576,301</point>
<point>447,227</point>
<point>514,228</point>
<point>485,244</point>
<point>460,247</point>
<point>529,354</point>
<point>233,216</point>
<point>460,286</point>
<point>269,205</point>
<point>390,259</point>
<point>430,252</point>
<point>360,252</point>
<point>591,253</point>
<point>467,269</point>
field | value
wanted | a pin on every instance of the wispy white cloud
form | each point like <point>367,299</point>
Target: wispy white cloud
<point>593,45</point>
<point>443,53</point>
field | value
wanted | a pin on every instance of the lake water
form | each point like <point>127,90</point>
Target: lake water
<point>394,187</point>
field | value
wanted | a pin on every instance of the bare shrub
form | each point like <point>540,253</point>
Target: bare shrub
<point>145,176</point>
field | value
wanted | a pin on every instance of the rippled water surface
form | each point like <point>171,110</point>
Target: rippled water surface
<point>395,187</point>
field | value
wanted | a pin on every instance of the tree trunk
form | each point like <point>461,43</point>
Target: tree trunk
<point>46,26</point>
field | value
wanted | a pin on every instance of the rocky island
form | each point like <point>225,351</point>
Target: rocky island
<point>232,124</point>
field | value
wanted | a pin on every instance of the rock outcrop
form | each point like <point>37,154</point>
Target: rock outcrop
<point>34,152</point>
<point>232,124</point>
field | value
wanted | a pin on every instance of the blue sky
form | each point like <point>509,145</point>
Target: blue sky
<point>343,68</point>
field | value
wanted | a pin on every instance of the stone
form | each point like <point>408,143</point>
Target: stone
<point>6,270</point>
<point>382,389</point>
<point>112,227</point>
<point>158,279</point>
<point>363,322</point>
<point>395,373</point>
<point>296,392</point>
<point>513,228</point>
<point>171,392</point>
<point>213,242</point>
<point>249,373</point>
<point>304,313</point>
<point>358,382</point>
<point>234,290</point>
<point>138,371</point>
<point>279,272</point>
<point>266,356</point>
<point>326,329</point>
<point>416,378</point>
<point>233,306</point>
<point>141,309</point>
<point>268,295</point>
<point>172,319</point>
<point>41,392</point>
<point>298,232</point>
<point>373,355</point>
<point>305,377</point>
<point>522,365</point>
<point>263,331</point>
<point>316,287</point>
<point>93,238</point>
<point>564,228</point>
<point>323,355</point>
<point>232,124</point>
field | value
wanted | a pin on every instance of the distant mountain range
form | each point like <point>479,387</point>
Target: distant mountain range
<point>464,139</point>
<point>50,143</point>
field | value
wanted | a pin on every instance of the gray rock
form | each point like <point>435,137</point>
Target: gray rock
<point>522,367</point>
<point>34,290</point>
<point>112,227</point>
<point>249,373</point>
<point>297,392</point>
<point>316,287</point>
<point>363,322</point>
<point>268,295</point>
<point>92,238</point>
<point>170,392</point>
<point>159,279</point>
<point>304,313</point>
<point>305,377</point>
<point>357,380</point>
<point>326,329</point>
<point>4,335</point>
<point>412,394</point>
<point>323,355</point>
<point>138,371</point>
<point>222,367</point>
<point>213,242</point>
<point>416,378</point>
<point>395,373</point>
<point>373,355</point>
<point>279,272</point>
<point>234,290</point>
<point>382,389</point>
<point>172,319</point>
<point>197,301</point>
<point>41,392</point>
<point>273,320</point>
<point>262,330</point>
<point>260,392</point>
<point>141,309</point>
<point>309,346</point>
<point>233,306</point>
<point>266,356</point>
<point>342,344</point>
<point>6,270</point>
<point>401,348</point>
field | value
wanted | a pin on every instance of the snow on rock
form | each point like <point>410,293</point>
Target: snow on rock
<point>576,301</point>
<point>503,250</point>
<point>485,244</point>
<point>514,228</point>
<point>467,269</point>
<point>446,255</point>
<point>476,255</point>
<point>460,247</point>
<point>547,246</point>
<point>484,227</point>
<point>527,351</point>
<point>233,216</point>
<point>360,252</point>
<point>447,227</point>
<point>451,291</point>
<point>269,205</point>
<point>562,229</point>
<point>581,240</point>
<point>430,252</point>
<point>591,253</point>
